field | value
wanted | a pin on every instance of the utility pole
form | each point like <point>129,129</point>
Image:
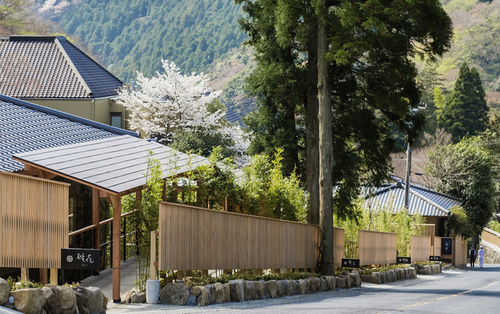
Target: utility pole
<point>408,174</point>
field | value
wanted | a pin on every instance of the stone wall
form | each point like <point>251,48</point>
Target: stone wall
<point>53,299</point>
<point>491,253</point>
<point>242,290</point>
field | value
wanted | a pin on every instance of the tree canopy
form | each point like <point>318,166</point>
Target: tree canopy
<point>465,112</point>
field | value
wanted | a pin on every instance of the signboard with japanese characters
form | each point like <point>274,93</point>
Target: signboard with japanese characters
<point>350,262</point>
<point>403,260</point>
<point>446,246</point>
<point>433,258</point>
<point>80,258</point>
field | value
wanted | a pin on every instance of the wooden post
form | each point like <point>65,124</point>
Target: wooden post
<point>181,274</point>
<point>95,220</point>
<point>204,272</point>
<point>53,276</point>
<point>152,268</point>
<point>43,276</point>
<point>259,272</point>
<point>274,271</point>
<point>116,202</point>
<point>24,275</point>
<point>138,198</point>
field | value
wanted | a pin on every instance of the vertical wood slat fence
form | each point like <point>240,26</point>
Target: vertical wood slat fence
<point>437,246</point>
<point>377,248</point>
<point>193,238</point>
<point>460,255</point>
<point>338,246</point>
<point>420,248</point>
<point>491,236</point>
<point>33,221</point>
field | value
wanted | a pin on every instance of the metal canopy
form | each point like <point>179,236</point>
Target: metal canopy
<point>116,165</point>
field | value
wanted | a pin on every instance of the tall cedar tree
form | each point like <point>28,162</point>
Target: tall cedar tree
<point>371,82</point>
<point>466,112</point>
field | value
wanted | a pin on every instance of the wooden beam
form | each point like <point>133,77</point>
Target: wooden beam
<point>152,262</point>
<point>116,203</point>
<point>95,216</point>
<point>53,276</point>
<point>45,175</point>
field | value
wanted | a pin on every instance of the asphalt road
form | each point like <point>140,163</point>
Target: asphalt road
<point>458,291</point>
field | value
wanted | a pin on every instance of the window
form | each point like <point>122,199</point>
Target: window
<point>116,119</point>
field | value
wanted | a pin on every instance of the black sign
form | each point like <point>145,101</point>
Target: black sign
<point>80,258</point>
<point>350,262</point>
<point>446,245</point>
<point>403,260</point>
<point>434,258</point>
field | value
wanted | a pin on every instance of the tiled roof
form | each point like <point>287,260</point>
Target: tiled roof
<point>421,200</point>
<point>233,117</point>
<point>26,127</point>
<point>33,67</point>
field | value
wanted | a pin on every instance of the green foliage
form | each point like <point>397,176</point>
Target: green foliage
<point>381,269</point>
<point>249,276</point>
<point>16,285</point>
<point>133,35</point>
<point>384,219</point>
<point>464,170</point>
<point>466,112</point>
<point>494,225</point>
<point>458,223</point>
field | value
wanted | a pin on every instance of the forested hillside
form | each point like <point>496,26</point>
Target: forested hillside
<point>134,35</point>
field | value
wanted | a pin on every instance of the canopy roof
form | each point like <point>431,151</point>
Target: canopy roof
<point>116,165</point>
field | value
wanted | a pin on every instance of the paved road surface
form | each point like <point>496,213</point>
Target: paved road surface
<point>459,291</point>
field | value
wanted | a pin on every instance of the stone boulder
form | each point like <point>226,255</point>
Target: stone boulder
<point>331,282</point>
<point>302,286</point>
<point>347,280</point>
<point>200,293</point>
<point>128,296</point>
<point>4,291</point>
<point>174,294</point>
<point>82,301</point>
<point>254,290</point>
<point>29,300</point>
<point>323,286</point>
<point>59,300</point>
<point>341,282</point>
<point>294,286</point>
<point>138,297</point>
<point>227,292</point>
<point>237,290</point>
<point>372,278</point>
<point>312,285</point>
<point>96,300</point>
<point>282,288</point>
<point>425,270</point>
<point>191,301</point>
<point>210,293</point>
<point>270,289</point>
<point>355,279</point>
<point>412,272</point>
<point>219,293</point>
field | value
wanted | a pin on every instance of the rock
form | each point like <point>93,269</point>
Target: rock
<point>372,278</point>
<point>128,296</point>
<point>383,277</point>
<point>237,290</point>
<point>200,293</point>
<point>426,270</point>
<point>302,286</point>
<point>400,273</point>
<point>9,306</point>
<point>96,300</point>
<point>105,301</point>
<point>174,294</point>
<point>191,301</point>
<point>341,282</point>
<point>210,294</point>
<point>140,297</point>
<point>270,288</point>
<point>291,287</point>
<point>4,291</point>
<point>412,272</point>
<point>344,273</point>
<point>391,275</point>
<point>82,301</point>
<point>355,279</point>
<point>330,282</point>
<point>347,280</point>
<point>312,285</point>
<point>323,285</point>
<point>282,288</point>
<point>219,293</point>
<point>295,285</point>
<point>227,292</point>
<point>60,299</point>
<point>29,300</point>
<point>254,290</point>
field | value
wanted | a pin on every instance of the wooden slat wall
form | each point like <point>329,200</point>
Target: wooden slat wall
<point>193,238</point>
<point>460,245</point>
<point>33,221</point>
<point>377,247</point>
<point>338,246</point>
<point>420,248</point>
<point>491,236</point>
<point>430,230</point>
<point>437,246</point>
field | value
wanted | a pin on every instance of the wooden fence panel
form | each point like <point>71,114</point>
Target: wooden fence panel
<point>193,238</point>
<point>460,245</point>
<point>491,236</point>
<point>338,246</point>
<point>420,248</point>
<point>437,246</point>
<point>33,221</point>
<point>377,247</point>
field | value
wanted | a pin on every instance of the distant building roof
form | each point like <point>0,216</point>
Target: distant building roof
<point>233,117</point>
<point>26,127</point>
<point>34,67</point>
<point>424,201</point>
